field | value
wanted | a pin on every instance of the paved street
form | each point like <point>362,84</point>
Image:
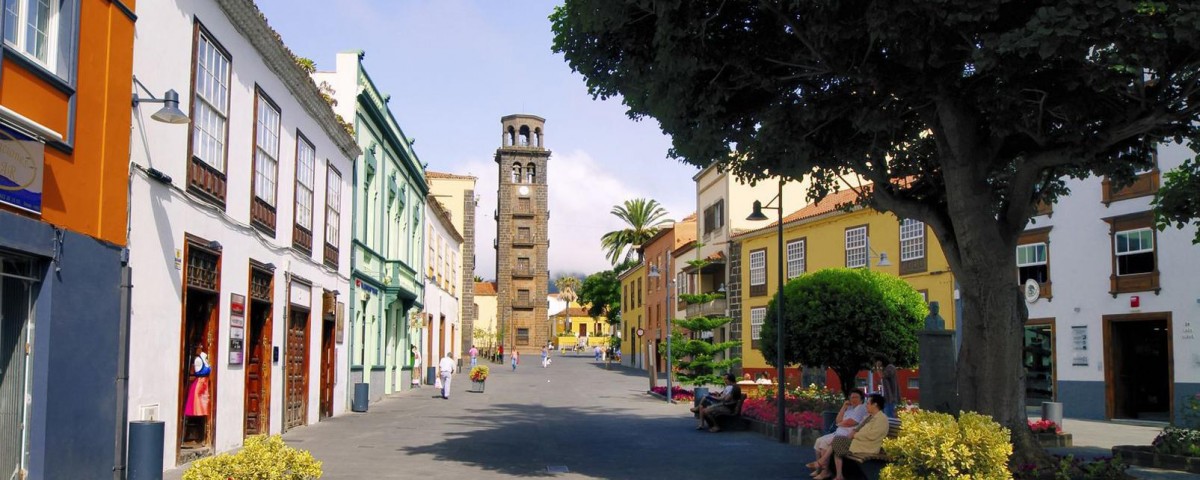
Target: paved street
<point>596,423</point>
<point>575,414</point>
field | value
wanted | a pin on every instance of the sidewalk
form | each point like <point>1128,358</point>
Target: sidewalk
<point>1096,438</point>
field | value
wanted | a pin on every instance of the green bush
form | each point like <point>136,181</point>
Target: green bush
<point>263,458</point>
<point>935,445</point>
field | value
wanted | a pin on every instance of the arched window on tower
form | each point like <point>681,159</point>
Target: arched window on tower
<point>524,136</point>
<point>510,137</point>
<point>516,173</point>
<point>537,136</point>
<point>531,173</point>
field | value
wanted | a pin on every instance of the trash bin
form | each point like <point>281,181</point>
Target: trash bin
<point>145,461</point>
<point>362,397</point>
<point>430,375</point>
<point>1053,411</point>
<point>698,395</point>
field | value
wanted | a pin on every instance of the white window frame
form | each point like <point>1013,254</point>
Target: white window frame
<point>758,316</point>
<point>1128,234</point>
<point>1033,247</point>
<point>266,149</point>
<point>758,267</point>
<point>333,207</point>
<point>912,240</point>
<point>17,35</point>
<point>210,103</point>
<point>856,247</point>
<point>796,261</point>
<point>306,161</point>
<point>681,283</point>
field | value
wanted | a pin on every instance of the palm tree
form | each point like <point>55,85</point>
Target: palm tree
<point>643,219</point>
<point>566,292</point>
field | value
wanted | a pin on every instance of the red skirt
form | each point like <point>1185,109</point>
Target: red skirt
<point>196,404</point>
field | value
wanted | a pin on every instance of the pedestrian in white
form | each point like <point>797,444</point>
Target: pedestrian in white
<point>446,368</point>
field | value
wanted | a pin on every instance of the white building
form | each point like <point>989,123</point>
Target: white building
<point>441,332</point>
<point>238,233</point>
<point>1113,302</point>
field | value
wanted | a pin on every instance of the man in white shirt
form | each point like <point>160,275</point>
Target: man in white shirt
<point>446,369</point>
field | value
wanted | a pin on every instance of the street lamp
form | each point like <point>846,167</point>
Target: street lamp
<point>883,256</point>
<point>670,315</point>
<point>757,215</point>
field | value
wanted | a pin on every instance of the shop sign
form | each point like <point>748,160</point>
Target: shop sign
<point>21,164</point>
<point>237,325</point>
<point>341,322</point>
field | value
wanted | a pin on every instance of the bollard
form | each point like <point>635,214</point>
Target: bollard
<point>1053,411</point>
<point>431,376</point>
<point>362,397</point>
<point>145,460</point>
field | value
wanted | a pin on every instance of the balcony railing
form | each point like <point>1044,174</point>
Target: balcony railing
<point>713,308</point>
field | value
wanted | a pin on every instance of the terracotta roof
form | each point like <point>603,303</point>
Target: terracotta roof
<point>690,218</point>
<point>485,288</point>
<point>432,174</point>
<point>576,312</point>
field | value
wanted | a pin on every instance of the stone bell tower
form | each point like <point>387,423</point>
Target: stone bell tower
<point>522,242</point>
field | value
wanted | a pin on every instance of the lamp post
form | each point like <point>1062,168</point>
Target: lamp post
<point>670,315</point>
<point>757,215</point>
<point>883,262</point>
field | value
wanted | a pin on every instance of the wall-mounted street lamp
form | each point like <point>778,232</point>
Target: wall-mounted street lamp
<point>170,112</point>
<point>757,216</point>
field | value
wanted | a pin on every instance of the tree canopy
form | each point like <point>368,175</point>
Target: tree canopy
<point>642,219</point>
<point>846,319</point>
<point>961,114</point>
<point>601,291</point>
<point>1177,202</point>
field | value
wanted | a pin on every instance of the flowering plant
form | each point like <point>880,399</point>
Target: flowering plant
<point>677,393</point>
<point>479,373</point>
<point>1044,426</point>
<point>764,410</point>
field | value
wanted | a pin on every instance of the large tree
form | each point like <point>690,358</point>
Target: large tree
<point>1177,203</point>
<point>642,219</point>
<point>962,113</point>
<point>846,319</point>
<point>601,291</point>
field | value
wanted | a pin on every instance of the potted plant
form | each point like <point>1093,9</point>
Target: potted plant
<point>479,375</point>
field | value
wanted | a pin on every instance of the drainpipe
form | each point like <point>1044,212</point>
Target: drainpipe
<point>122,381</point>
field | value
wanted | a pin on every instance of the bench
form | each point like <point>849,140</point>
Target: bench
<point>870,466</point>
<point>734,420</point>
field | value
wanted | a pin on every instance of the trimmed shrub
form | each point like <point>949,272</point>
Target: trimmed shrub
<point>935,445</point>
<point>263,458</point>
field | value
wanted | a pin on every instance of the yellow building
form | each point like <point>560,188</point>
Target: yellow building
<point>583,329</point>
<point>821,236</point>
<point>633,313</point>
<point>484,330</point>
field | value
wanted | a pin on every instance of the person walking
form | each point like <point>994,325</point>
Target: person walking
<point>889,386</point>
<point>545,356</point>
<point>474,352</point>
<point>516,359</point>
<point>446,369</point>
<point>416,362</point>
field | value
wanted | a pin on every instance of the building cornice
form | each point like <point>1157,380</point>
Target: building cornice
<point>247,19</point>
<point>443,216</point>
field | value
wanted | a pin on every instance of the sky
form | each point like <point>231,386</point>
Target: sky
<point>454,67</point>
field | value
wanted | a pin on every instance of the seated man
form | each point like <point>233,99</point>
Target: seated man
<point>852,413</point>
<point>725,406</point>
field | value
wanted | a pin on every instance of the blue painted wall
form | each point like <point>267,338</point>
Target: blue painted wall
<point>1084,400</point>
<point>74,362</point>
<point>1184,392</point>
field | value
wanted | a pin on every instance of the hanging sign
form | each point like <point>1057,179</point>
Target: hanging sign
<point>21,162</point>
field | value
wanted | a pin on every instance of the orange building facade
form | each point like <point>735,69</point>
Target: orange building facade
<point>65,92</point>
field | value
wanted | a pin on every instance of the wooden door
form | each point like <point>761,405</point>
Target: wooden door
<point>328,368</point>
<point>258,370</point>
<point>295,410</point>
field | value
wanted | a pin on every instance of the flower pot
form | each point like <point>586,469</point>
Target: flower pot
<point>477,387</point>
<point>1052,439</point>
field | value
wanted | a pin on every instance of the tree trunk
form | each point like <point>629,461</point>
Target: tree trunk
<point>991,373</point>
<point>846,376</point>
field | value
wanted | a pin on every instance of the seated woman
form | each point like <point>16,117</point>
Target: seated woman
<point>726,405</point>
<point>715,397</point>
<point>851,414</point>
<point>867,438</point>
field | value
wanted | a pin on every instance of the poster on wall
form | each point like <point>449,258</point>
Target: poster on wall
<point>237,310</point>
<point>235,350</point>
<point>341,322</point>
<point>1079,356</point>
<point>21,162</point>
<point>237,325</point>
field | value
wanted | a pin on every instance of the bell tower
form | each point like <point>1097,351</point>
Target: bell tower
<point>522,241</point>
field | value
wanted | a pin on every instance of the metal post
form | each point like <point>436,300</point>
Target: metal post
<point>670,316</point>
<point>779,325</point>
